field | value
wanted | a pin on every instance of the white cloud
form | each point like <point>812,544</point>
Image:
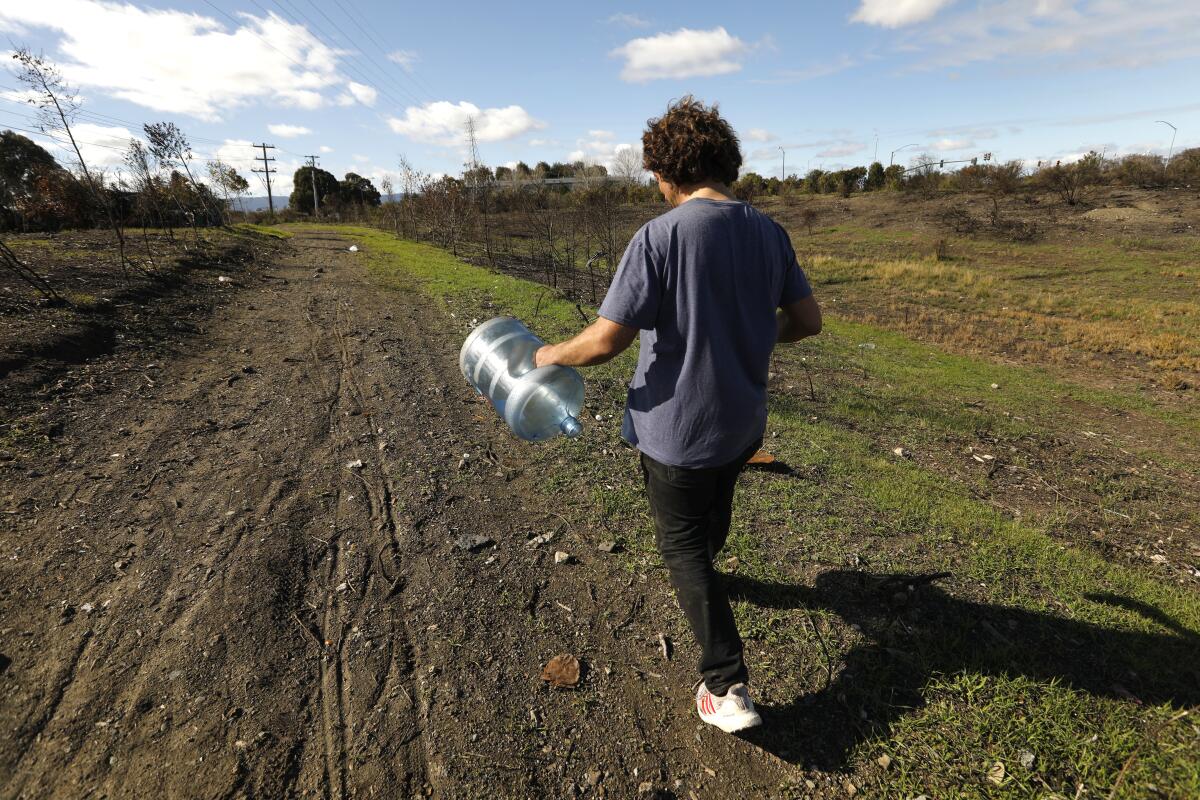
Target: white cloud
<point>363,93</point>
<point>360,158</point>
<point>102,146</point>
<point>686,53</point>
<point>629,20</point>
<point>405,58</point>
<point>760,135</point>
<point>1090,33</point>
<point>181,62</point>
<point>445,123</point>
<point>305,99</point>
<point>599,134</point>
<point>950,145</point>
<point>288,131</point>
<point>896,13</point>
<point>324,149</point>
<point>843,149</point>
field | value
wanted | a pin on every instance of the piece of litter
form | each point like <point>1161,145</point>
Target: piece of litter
<point>762,457</point>
<point>995,386</point>
<point>353,248</point>
<point>562,672</point>
<point>355,464</point>
<point>341,587</point>
<point>901,452</point>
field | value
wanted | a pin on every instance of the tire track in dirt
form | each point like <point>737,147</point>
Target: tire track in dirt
<point>245,543</point>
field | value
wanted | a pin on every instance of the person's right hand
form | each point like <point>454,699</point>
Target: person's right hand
<point>544,357</point>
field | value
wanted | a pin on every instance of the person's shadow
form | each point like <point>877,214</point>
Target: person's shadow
<point>915,630</point>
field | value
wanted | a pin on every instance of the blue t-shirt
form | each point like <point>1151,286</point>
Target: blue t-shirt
<point>702,282</point>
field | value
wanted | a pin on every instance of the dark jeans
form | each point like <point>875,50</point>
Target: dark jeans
<point>692,510</point>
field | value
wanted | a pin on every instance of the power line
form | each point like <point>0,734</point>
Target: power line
<point>378,46</point>
<point>349,39</point>
<point>318,32</point>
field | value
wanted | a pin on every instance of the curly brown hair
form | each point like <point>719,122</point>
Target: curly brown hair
<point>691,144</point>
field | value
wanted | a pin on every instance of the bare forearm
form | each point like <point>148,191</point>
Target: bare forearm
<point>599,342</point>
<point>580,351</point>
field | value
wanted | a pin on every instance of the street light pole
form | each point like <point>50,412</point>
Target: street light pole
<point>892,158</point>
<point>782,164</point>
<point>1171,149</point>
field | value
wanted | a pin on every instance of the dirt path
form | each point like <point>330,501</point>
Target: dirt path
<point>239,578</point>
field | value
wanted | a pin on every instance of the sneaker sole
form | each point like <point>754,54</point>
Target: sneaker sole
<point>735,725</point>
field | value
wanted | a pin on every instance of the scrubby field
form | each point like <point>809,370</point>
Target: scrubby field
<point>972,570</point>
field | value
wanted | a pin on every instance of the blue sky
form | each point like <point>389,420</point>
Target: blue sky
<point>361,82</point>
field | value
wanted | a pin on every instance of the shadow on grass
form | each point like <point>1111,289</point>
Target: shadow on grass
<point>915,630</point>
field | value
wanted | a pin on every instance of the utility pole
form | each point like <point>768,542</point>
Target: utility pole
<point>312,162</point>
<point>266,172</point>
<point>892,159</point>
<point>782,164</point>
<point>1171,149</point>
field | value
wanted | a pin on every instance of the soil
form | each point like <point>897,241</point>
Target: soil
<point>231,569</point>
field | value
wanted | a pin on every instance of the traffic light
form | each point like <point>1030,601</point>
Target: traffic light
<point>987,156</point>
<point>974,162</point>
<point>942,164</point>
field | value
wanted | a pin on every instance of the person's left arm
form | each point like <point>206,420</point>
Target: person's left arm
<point>601,341</point>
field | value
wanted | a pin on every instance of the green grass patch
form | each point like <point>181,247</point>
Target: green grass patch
<point>1071,672</point>
<point>263,230</point>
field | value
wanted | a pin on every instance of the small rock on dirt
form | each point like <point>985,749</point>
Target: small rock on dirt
<point>562,671</point>
<point>593,777</point>
<point>609,547</point>
<point>645,787</point>
<point>539,540</point>
<point>473,542</point>
<point>562,558</point>
<point>1026,758</point>
<point>355,464</point>
<point>902,452</point>
<point>884,761</point>
<point>353,248</point>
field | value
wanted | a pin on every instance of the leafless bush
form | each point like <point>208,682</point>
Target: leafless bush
<point>1071,181</point>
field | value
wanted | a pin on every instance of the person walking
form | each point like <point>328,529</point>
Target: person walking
<point>712,286</point>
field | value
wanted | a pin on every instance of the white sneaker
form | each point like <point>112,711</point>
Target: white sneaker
<point>731,713</point>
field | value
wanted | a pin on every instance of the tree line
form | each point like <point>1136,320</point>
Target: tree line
<point>928,176</point>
